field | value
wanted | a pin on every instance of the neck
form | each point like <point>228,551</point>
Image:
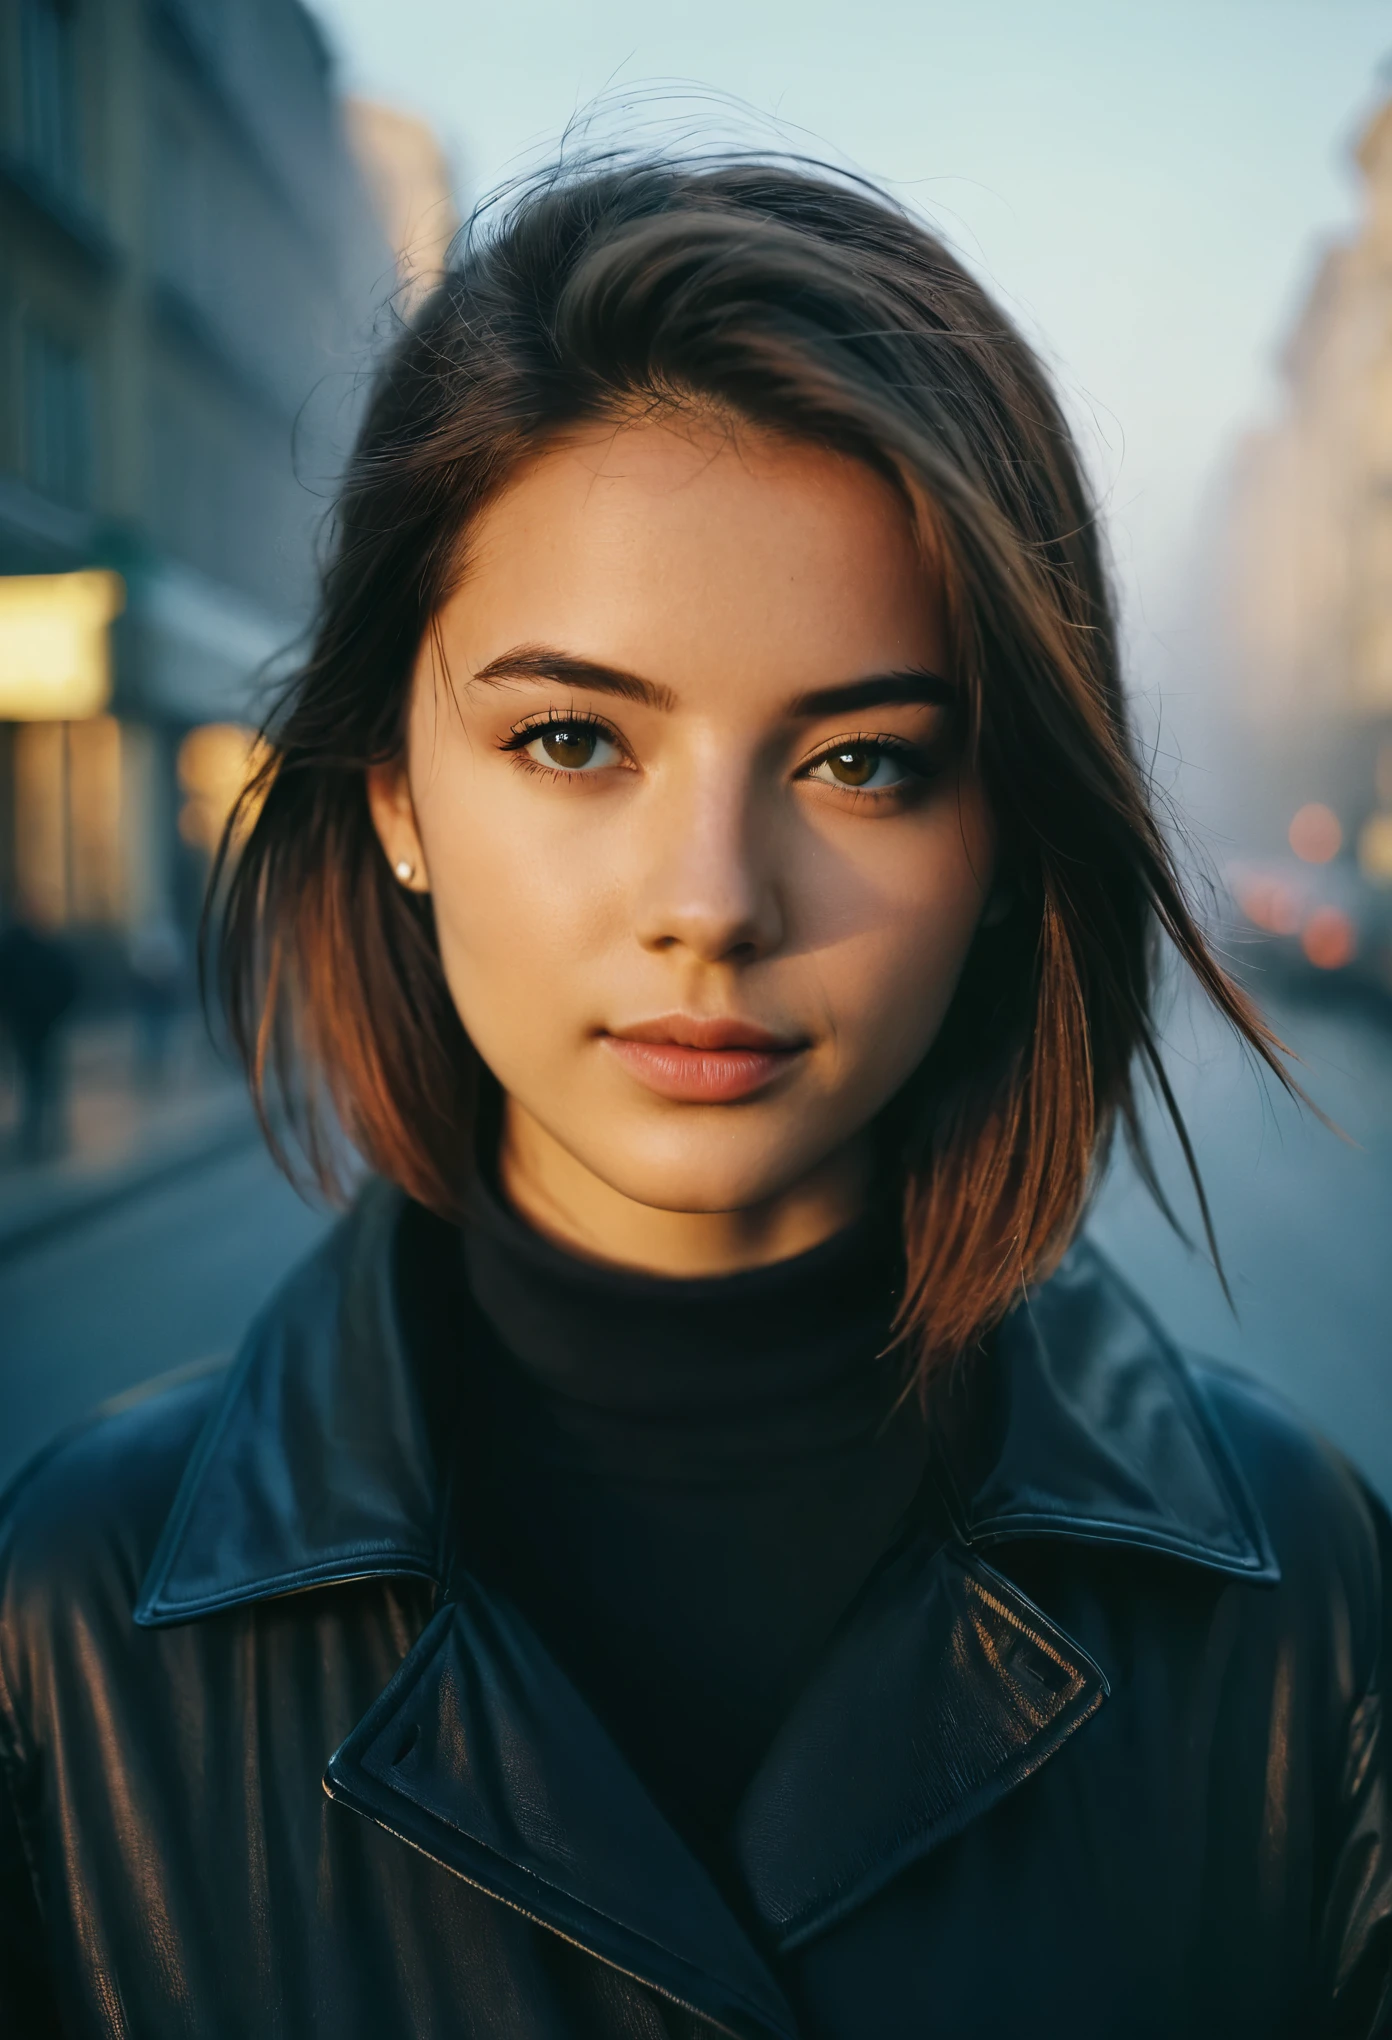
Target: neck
<point>568,1203</point>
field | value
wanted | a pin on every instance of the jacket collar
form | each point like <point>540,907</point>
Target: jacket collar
<point>1107,1437</point>
<point>943,1691</point>
<point>317,1464</point>
<point>481,1754</point>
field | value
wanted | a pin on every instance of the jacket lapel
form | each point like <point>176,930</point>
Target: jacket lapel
<point>1107,1436</point>
<point>483,1755</point>
<point>317,1465</point>
<point>946,1691</point>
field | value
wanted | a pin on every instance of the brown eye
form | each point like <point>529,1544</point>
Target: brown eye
<point>853,767</point>
<point>573,747</point>
<point>872,766</point>
<point>569,746</point>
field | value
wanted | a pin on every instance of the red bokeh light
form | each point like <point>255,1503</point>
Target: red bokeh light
<point>1316,833</point>
<point>1328,939</point>
<point>1270,904</point>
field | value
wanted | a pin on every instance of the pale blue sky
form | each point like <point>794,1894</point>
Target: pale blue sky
<point>1145,182</point>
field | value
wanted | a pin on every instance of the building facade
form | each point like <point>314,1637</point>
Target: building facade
<point>1306,566</point>
<point>190,262</point>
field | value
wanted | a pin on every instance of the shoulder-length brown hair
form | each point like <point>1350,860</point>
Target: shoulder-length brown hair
<point>813,306</point>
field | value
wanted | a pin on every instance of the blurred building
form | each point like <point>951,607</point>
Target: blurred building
<point>190,265</point>
<point>1307,562</point>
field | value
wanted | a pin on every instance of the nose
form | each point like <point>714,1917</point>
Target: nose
<point>706,881</point>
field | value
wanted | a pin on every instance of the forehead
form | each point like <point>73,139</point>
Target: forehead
<point>704,554</point>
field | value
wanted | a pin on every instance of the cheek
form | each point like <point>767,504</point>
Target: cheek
<point>906,926</point>
<point>516,913</point>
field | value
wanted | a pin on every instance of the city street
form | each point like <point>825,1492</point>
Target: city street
<point>1304,1219</point>
<point>165,1280</point>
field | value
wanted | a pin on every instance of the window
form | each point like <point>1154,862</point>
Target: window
<point>69,863</point>
<point>57,418</point>
<point>48,84</point>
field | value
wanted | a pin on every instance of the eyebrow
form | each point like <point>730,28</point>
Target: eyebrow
<point>538,662</point>
<point>913,684</point>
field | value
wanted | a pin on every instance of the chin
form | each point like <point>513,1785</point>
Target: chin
<point>710,1176</point>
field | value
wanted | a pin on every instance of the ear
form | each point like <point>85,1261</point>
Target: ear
<point>394,818</point>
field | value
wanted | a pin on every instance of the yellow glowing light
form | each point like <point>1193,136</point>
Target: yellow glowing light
<point>1315,833</point>
<point>1375,848</point>
<point>1382,772</point>
<point>55,654</point>
<point>215,762</point>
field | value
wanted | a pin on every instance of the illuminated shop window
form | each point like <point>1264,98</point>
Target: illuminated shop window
<point>41,822</point>
<point>69,822</point>
<point>96,874</point>
<point>55,656</point>
<point>215,762</point>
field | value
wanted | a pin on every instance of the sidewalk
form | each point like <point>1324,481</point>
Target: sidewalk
<point>125,1129</point>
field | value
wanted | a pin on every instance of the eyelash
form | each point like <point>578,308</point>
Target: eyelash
<point>912,756</point>
<point>528,731</point>
<point>524,733</point>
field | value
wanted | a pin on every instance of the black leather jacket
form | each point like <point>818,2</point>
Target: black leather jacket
<point>1107,1761</point>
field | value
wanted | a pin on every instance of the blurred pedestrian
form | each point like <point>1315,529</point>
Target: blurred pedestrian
<point>38,989</point>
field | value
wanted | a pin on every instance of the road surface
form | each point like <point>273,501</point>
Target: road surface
<point>171,1277</point>
<point>1303,1216</point>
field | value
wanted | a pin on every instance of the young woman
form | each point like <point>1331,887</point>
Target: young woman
<point>697,1551</point>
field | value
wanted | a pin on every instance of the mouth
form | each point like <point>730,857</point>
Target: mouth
<point>703,1062</point>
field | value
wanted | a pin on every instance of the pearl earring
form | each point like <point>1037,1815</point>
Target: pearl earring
<point>405,871</point>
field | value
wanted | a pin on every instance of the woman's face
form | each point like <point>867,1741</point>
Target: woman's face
<point>683,778</point>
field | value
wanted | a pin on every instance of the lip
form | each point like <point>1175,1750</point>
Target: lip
<point>702,1061</point>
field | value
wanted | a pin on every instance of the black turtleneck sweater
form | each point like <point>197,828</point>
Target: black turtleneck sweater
<point>683,1484</point>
